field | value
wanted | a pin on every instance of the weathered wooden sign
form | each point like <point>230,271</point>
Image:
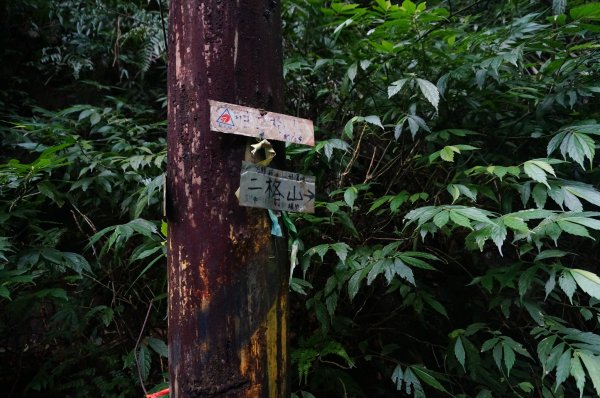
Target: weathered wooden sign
<point>276,189</point>
<point>241,120</point>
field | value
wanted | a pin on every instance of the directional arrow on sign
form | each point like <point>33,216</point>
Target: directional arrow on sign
<point>276,189</point>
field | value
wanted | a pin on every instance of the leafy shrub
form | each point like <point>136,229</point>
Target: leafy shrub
<point>454,247</point>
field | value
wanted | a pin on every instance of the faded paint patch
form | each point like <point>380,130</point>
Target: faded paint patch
<point>273,343</point>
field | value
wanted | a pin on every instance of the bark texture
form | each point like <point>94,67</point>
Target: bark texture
<point>227,274</point>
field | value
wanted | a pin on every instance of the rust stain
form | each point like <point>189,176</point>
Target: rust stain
<point>273,343</point>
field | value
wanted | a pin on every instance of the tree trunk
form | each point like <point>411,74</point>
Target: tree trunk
<point>227,274</point>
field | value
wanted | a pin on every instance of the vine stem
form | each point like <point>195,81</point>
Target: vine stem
<point>135,351</point>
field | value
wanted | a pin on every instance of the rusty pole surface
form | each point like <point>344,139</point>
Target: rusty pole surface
<point>227,273</point>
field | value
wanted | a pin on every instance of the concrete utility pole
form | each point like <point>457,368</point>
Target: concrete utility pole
<point>227,273</point>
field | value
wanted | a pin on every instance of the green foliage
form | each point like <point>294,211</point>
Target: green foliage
<point>81,177</point>
<point>466,198</point>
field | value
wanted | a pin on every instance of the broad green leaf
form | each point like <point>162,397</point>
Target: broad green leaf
<point>592,364</point>
<point>441,218</point>
<point>4,292</point>
<point>539,195</point>
<point>578,373</point>
<point>447,153</point>
<point>352,71</point>
<point>158,346</point>
<point>427,377</point>
<point>550,254</point>
<point>341,250</point>
<point>379,202</point>
<point>398,377</point>
<point>526,386</point>
<point>573,229</point>
<point>430,92</point>
<point>497,355</point>
<point>498,235</point>
<point>459,219</point>
<point>143,361</point>
<point>413,385</point>
<point>403,271</point>
<point>509,357</point>
<point>550,284</point>
<point>395,87</point>
<point>515,223</point>
<point>350,196</point>
<point>354,283</point>
<point>374,120</point>
<point>567,284</point>
<point>589,11</point>
<point>535,172</point>
<point>454,191</point>
<point>587,281</point>
<point>436,305</point>
<point>489,344</point>
<point>459,352</point>
<point>563,368</point>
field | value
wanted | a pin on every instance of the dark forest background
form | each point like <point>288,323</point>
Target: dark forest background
<point>453,251</point>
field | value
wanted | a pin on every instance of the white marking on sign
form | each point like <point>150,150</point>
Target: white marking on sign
<point>273,189</point>
<point>242,120</point>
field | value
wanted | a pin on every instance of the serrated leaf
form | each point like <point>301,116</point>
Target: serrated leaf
<point>395,87</point>
<point>497,355</point>
<point>441,218</point>
<point>550,254</point>
<point>374,120</point>
<point>587,281</point>
<point>454,191</point>
<point>398,377</point>
<point>459,219</point>
<point>535,173</point>
<point>430,91</point>
<point>354,283</point>
<point>428,378</point>
<point>379,202</point>
<point>143,361</point>
<point>509,357</point>
<point>550,283</point>
<point>515,223</point>
<point>498,235</point>
<point>567,284</point>
<point>341,250</point>
<point>578,374</point>
<point>573,228</point>
<point>403,271</point>
<point>539,195</point>
<point>592,364</point>
<point>158,346</point>
<point>447,153</point>
<point>562,368</point>
<point>489,344</point>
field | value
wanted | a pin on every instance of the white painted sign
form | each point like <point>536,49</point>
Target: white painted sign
<point>276,189</point>
<point>242,120</point>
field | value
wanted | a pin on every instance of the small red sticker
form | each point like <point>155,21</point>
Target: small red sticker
<point>225,118</point>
